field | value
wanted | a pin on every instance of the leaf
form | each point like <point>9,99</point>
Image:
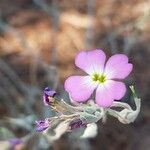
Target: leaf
<point>90,131</point>
<point>6,134</point>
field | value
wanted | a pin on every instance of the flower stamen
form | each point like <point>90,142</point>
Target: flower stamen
<point>99,78</point>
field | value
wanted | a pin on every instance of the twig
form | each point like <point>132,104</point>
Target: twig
<point>90,32</point>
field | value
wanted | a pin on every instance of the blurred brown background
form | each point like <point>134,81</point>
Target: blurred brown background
<point>38,42</point>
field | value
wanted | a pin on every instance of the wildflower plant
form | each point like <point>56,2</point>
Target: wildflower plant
<point>94,96</point>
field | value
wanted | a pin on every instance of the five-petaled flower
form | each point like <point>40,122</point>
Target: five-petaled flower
<point>103,77</point>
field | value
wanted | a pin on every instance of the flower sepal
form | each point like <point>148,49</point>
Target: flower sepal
<point>127,115</point>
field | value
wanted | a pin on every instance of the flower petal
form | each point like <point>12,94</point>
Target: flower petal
<point>120,90</point>
<point>91,61</point>
<point>117,67</point>
<point>109,91</point>
<point>80,88</point>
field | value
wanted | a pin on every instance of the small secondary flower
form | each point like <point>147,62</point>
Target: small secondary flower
<point>75,124</point>
<point>104,78</point>
<point>47,94</point>
<point>41,125</point>
<point>15,141</point>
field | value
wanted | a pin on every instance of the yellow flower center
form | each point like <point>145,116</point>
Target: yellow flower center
<point>100,78</point>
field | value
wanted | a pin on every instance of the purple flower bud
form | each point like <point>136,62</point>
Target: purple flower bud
<point>75,124</point>
<point>47,94</point>
<point>41,125</point>
<point>15,141</point>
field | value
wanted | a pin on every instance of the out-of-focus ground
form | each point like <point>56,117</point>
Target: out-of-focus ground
<point>38,42</point>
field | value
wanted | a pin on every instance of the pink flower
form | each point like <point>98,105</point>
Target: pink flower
<point>104,78</point>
